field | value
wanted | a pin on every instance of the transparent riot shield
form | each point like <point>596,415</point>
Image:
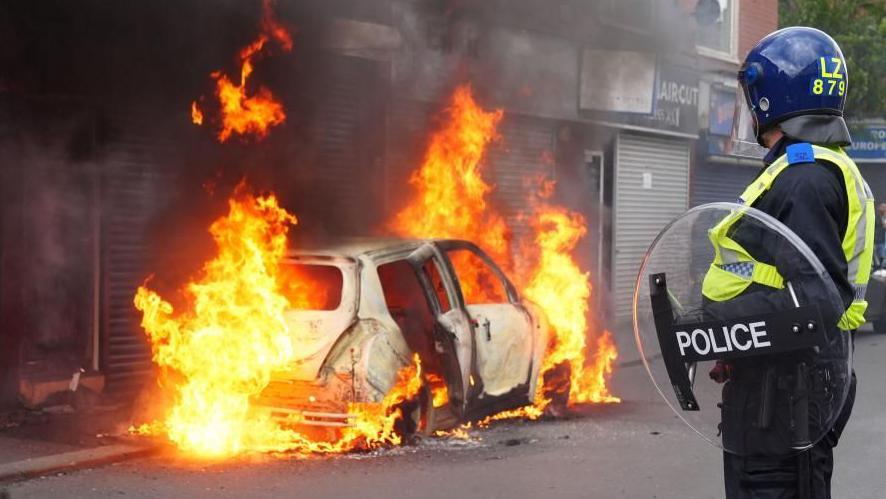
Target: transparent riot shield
<point>747,354</point>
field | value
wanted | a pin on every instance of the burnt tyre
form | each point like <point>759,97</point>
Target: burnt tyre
<point>419,416</point>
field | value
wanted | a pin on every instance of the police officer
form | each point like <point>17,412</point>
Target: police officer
<point>794,84</point>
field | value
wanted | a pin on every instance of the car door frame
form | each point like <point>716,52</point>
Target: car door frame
<point>445,247</point>
<point>452,244</point>
<point>454,331</point>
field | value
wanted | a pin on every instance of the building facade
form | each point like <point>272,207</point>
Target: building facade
<point>869,152</point>
<point>627,103</point>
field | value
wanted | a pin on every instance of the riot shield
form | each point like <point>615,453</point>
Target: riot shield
<point>747,353</point>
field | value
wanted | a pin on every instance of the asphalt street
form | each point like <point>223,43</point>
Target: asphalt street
<point>634,449</point>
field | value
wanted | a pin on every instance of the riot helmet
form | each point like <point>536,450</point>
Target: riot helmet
<point>793,72</point>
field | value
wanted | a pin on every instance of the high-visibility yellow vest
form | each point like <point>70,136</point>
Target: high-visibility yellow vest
<point>734,269</point>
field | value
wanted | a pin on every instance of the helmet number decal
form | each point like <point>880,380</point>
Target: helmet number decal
<point>831,81</point>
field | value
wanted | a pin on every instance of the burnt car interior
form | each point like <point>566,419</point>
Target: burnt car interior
<point>479,282</point>
<point>433,274</point>
<point>409,308</point>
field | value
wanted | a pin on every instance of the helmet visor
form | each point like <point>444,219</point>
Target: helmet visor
<point>744,139</point>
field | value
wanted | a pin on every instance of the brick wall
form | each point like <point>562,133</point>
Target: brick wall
<point>756,19</point>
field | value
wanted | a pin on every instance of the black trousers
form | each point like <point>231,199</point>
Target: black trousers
<point>804,476</point>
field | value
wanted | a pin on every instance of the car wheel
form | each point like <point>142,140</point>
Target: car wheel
<point>880,326</point>
<point>428,413</point>
<point>419,416</point>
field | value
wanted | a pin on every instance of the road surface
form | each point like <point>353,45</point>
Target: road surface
<point>637,449</point>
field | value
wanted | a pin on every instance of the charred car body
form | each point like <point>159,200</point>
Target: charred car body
<point>387,299</point>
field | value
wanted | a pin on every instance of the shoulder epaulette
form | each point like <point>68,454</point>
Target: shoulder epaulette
<point>800,152</point>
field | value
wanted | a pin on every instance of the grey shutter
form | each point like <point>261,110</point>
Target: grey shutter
<point>135,188</point>
<point>348,140</point>
<point>524,154</point>
<point>408,132</point>
<point>713,183</point>
<point>639,213</point>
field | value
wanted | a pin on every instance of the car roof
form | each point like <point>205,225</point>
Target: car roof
<point>356,247</point>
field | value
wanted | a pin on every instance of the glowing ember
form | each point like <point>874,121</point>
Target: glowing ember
<point>241,113</point>
<point>219,352</point>
<point>451,202</point>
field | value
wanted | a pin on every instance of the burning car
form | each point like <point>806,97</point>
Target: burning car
<point>384,301</point>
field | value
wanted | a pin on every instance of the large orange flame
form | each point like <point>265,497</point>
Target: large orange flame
<point>451,201</point>
<point>241,113</point>
<point>220,351</point>
<point>450,192</point>
<point>563,291</point>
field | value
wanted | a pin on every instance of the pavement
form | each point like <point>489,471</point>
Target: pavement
<point>21,449</point>
<point>62,438</point>
<point>67,460</point>
<point>636,449</point>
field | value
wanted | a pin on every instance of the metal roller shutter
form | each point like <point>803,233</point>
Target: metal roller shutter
<point>641,212</point>
<point>712,183</point>
<point>408,130</point>
<point>348,141</point>
<point>135,187</point>
<point>518,159</point>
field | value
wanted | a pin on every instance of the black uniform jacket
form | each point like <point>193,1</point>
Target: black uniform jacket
<point>810,199</point>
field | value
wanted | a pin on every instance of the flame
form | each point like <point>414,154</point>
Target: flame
<point>249,115</point>
<point>374,424</point>
<point>450,192</point>
<point>439,391</point>
<point>563,291</point>
<point>220,350</point>
<point>459,433</point>
<point>450,201</point>
<point>196,114</point>
<point>233,334</point>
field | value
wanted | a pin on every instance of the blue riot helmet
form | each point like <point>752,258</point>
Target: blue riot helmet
<point>795,78</point>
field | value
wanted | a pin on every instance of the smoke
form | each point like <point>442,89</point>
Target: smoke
<point>49,226</point>
<point>361,88</point>
<point>353,65</point>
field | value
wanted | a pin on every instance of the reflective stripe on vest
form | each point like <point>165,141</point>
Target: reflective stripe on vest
<point>734,269</point>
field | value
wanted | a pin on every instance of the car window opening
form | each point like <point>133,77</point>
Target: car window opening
<point>479,282</point>
<point>433,274</point>
<point>408,306</point>
<point>311,287</point>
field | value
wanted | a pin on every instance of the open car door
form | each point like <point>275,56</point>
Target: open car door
<point>453,335</point>
<point>504,333</point>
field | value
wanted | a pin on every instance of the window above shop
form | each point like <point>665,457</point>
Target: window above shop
<point>716,28</point>
<point>630,14</point>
